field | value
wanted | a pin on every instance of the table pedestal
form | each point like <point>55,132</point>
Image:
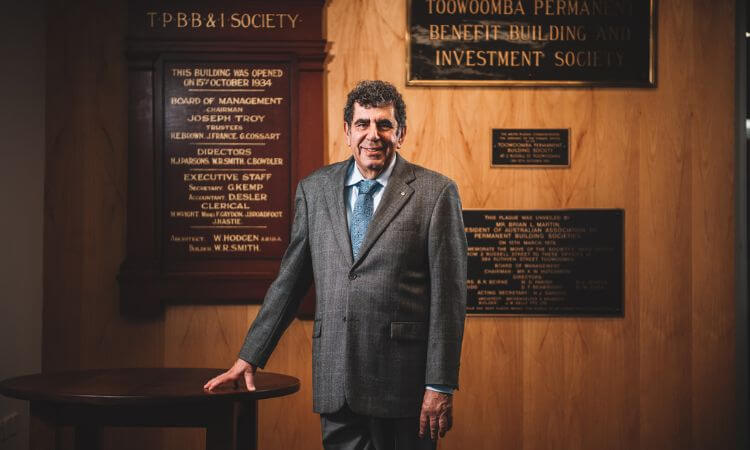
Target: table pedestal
<point>228,426</point>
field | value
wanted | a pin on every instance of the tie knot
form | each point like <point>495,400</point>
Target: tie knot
<point>367,186</point>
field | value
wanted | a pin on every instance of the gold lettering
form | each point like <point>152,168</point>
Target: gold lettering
<point>589,58</point>
<point>211,127</point>
<point>195,20</point>
<point>550,33</point>
<point>151,15</point>
<point>261,197</point>
<point>481,58</point>
<point>224,152</point>
<point>209,118</point>
<point>214,176</point>
<point>256,176</point>
<point>182,72</point>
<point>236,237</point>
<point>613,33</point>
<point>202,188</point>
<point>174,238</point>
<point>228,161</point>
<point>434,32</point>
<point>165,19</point>
<point>188,160</point>
<point>261,136</point>
<point>183,214</point>
<point>184,100</point>
<point>251,248</point>
<point>226,222</point>
<point>245,187</point>
<point>475,7</point>
<point>209,206</point>
<point>465,32</point>
<point>583,7</point>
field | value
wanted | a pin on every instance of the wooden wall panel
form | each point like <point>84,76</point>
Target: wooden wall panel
<point>615,383</point>
<point>85,185</point>
<point>661,377</point>
<point>85,195</point>
<point>712,221</point>
<point>665,300</point>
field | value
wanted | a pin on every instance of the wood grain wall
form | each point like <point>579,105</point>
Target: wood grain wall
<point>662,377</point>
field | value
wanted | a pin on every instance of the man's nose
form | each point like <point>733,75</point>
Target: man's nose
<point>372,132</point>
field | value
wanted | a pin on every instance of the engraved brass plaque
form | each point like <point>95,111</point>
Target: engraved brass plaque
<point>530,147</point>
<point>545,262</point>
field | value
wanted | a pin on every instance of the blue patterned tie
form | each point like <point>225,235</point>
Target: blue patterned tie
<point>361,214</point>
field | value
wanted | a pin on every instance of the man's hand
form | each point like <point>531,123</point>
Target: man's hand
<point>239,370</point>
<point>436,415</point>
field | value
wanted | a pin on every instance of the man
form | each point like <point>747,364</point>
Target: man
<point>384,241</point>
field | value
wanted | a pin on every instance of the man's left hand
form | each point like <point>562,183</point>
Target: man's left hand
<point>436,415</point>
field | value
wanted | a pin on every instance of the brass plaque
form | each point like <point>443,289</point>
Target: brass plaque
<point>545,262</point>
<point>531,42</point>
<point>530,147</point>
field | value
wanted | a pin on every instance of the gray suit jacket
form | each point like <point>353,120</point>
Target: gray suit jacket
<point>389,322</point>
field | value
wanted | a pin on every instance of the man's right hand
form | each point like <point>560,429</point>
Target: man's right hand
<point>240,369</point>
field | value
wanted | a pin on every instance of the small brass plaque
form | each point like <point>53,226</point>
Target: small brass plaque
<point>530,147</point>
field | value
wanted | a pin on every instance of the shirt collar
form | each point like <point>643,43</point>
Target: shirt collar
<point>353,176</point>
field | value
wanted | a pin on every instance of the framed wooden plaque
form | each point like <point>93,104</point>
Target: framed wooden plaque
<point>216,147</point>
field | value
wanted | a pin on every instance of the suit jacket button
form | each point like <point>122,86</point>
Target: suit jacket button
<point>352,276</point>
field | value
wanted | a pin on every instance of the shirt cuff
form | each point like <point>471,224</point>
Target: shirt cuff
<point>443,389</point>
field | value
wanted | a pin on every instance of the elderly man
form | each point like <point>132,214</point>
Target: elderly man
<point>384,241</point>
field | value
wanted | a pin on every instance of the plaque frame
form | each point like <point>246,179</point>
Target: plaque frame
<point>619,315</point>
<point>651,83</point>
<point>145,286</point>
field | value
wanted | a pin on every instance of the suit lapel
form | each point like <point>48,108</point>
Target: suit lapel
<point>396,194</point>
<point>337,210</point>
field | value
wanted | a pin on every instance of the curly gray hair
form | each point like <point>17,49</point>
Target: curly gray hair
<point>375,93</point>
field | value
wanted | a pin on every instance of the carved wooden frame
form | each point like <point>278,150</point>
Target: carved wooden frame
<point>145,283</point>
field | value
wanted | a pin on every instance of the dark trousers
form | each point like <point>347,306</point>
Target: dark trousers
<point>347,430</point>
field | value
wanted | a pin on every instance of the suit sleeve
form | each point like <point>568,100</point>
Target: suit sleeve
<point>285,294</point>
<point>447,259</point>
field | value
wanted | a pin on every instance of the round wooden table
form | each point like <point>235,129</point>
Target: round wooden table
<point>157,397</point>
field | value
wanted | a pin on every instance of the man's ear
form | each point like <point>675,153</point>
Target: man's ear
<point>348,133</point>
<point>401,135</point>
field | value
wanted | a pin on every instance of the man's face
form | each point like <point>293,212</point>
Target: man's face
<point>373,136</point>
